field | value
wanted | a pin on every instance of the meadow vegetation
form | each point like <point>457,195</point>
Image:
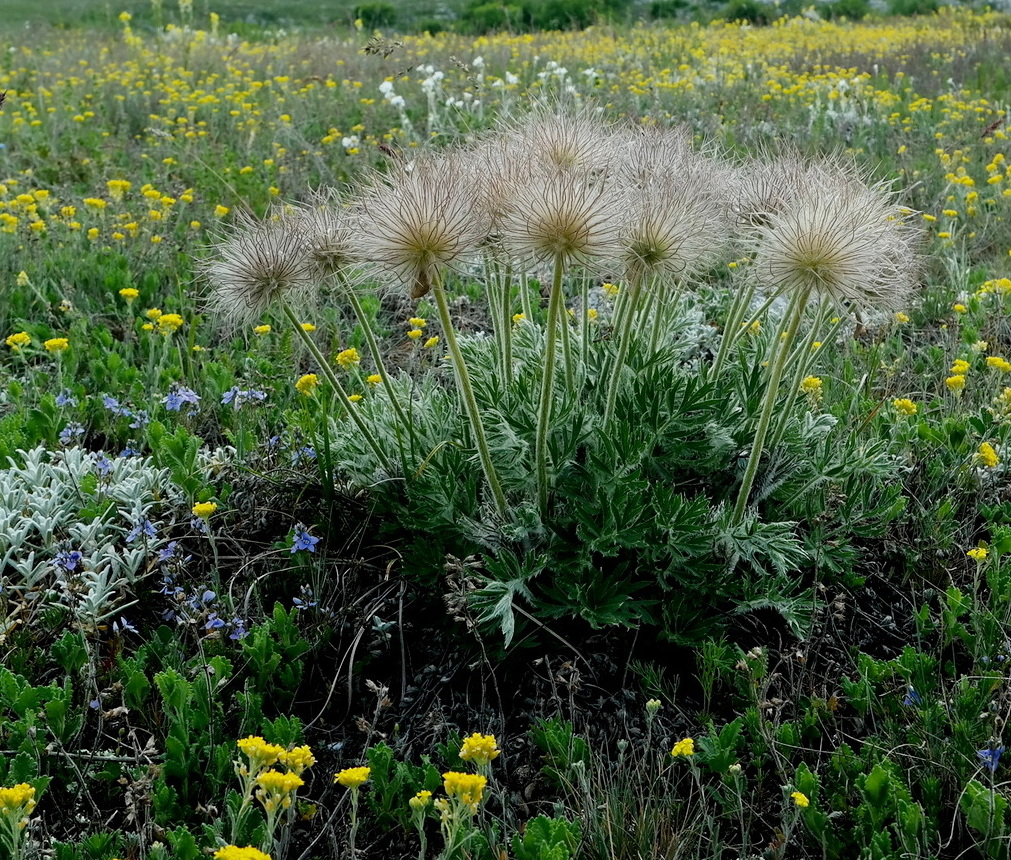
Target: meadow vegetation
<point>546,445</point>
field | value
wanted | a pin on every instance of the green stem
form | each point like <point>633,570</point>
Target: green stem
<point>555,310</point>
<point>782,348</point>
<point>733,329</point>
<point>584,330</point>
<point>525,303</point>
<point>352,409</point>
<point>377,357</point>
<point>469,400</point>
<point>569,361</point>
<point>627,312</point>
<point>506,321</point>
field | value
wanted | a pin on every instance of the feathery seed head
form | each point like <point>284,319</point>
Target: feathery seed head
<point>676,225</point>
<point>253,267</point>
<point>561,214</point>
<point>579,142</point>
<point>422,219</point>
<point>328,231</point>
<point>843,240</point>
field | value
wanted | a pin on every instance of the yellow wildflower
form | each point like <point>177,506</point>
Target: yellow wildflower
<point>152,313</point>
<point>904,406</point>
<point>233,852</point>
<point>20,799</point>
<point>348,358</point>
<point>57,344</point>
<point>960,366</point>
<point>901,317</point>
<point>307,384</point>
<point>415,333</point>
<point>309,327</point>
<point>468,787</point>
<point>353,777</point>
<point>257,750</point>
<point>261,329</point>
<point>420,800</point>
<point>418,322</point>
<point>610,289</point>
<point>684,747</point>
<point>16,341</point>
<point>518,318</point>
<point>169,323</point>
<point>22,279</point>
<point>130,294</point>
<point>354,398</point>
<point>811,385</point>
<point>221,211</point>
<point>480,749</point>
<point>987,456</point>
<point>373,379</point>
<point>800,799</point>
<point>999,363</point>
<point>204,509</point>
<point>432,341</point>
<point>979,553</point>
<point>297,760</point>
<point>959,308</point>
<point>956,382</point>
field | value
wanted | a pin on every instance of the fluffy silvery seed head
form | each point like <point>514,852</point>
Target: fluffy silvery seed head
<point>329,233</point>
<point>562,214</point>
<point>580,142</point>
<point>769,185</point>
<point>421,219</point>
<point>254,266</point>
<point>653,151</point>
<point>843,240</point>
<point>676,227</point>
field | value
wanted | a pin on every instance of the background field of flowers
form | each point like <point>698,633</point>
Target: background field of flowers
<point>184,566</point>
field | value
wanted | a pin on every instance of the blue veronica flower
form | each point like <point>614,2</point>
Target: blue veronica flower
<point>302,540</point>
<point>123,626</point>
<point>65,398</point>
<point>145,528</point>
<point>69,559</point>
<point>912,698</point>
<point>71,432</point>
<point>179,395</point>
<point>990,758</point>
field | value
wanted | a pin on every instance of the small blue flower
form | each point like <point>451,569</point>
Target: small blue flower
<point>70,432</point>
<point>123,626</point>
<point>238,630</point>
<point>912,698</point>
<point>65,398</point>
<point>103,464</point>
<point>213,622</point>
<point>95,704</point>
<point>129,452</point>
<point>306,452</point>
<point>69,559</point>
<point>990,758</point>
<point>207,596</point>
<point>179,395</point>
<point>145,528</point>
<point>236,396</point>
<point>140,418</point>
<point>169,552</point>
<point>112,404</point>
<point>303,540</point>
<point>306,601</point>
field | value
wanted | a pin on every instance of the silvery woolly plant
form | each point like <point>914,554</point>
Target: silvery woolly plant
<point>541,211</point>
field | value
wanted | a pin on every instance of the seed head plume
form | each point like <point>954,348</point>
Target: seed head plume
<point>422,218</point>
<point>677,222</point>
<point>329,232</point>
<point>555,214</point>
<point>579,142</point>
<point>255,265</point>
<point>843,240</point>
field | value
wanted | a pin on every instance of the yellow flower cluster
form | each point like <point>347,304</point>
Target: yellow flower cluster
<point>18,340</point>
<point>904,406</point>
<point>987,456</point>
<point>233,852</point>
<point>480,749</point>
<point>297,759</point>
<point>307,384</point>
<point>348,358</point>
<point>978,553</point>
<point>684,747</point>
<point>275,789</point>
<point>353,777</point>
<point>468,788</point>
<point>260,753</point>
<point>204,509</point>
<point>800,799</point>
<point>19,800</point>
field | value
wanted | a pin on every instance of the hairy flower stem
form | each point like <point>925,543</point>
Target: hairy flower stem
<point>584,325</point>
<point>736,327</point>
<point>555,310</point>
<point>525,302</point>
<point>506,322</point>
<point>324,366</point>
<point>622,332</point>
<point>782,352</point>
<point>469,400</point>
<point>797,367</point>
<point>377,357</point>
